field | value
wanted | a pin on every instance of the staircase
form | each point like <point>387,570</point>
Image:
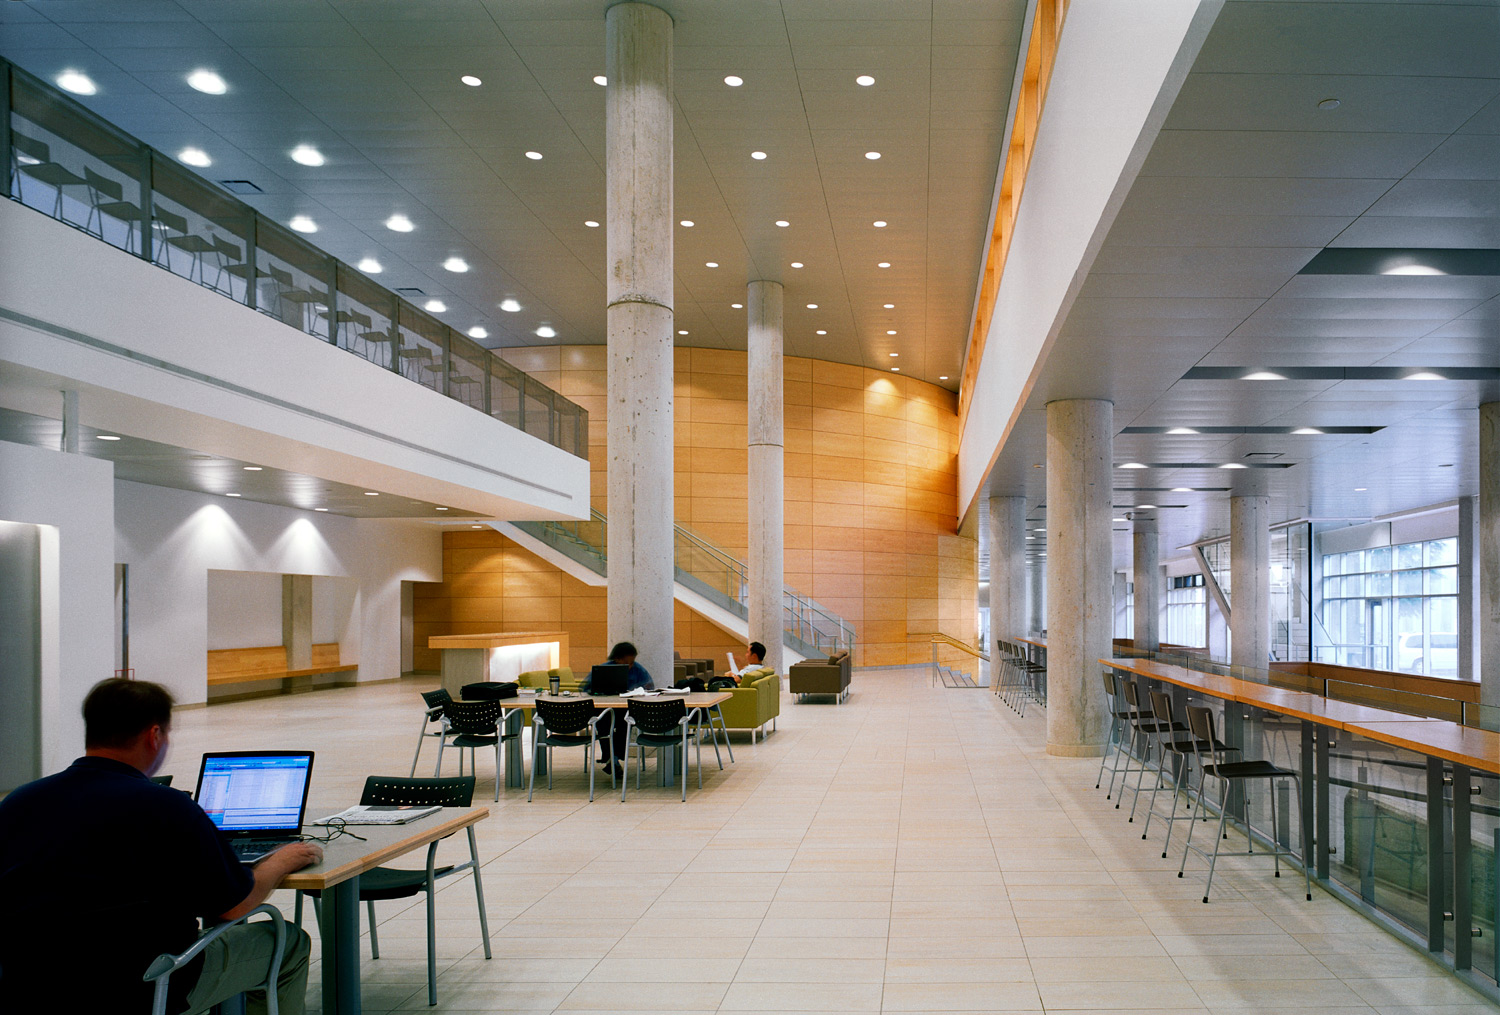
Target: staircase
<point>706,578</point>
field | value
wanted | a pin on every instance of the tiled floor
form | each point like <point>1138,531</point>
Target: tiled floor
<point>911,850</point>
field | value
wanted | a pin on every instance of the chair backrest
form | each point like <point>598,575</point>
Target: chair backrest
<point>170,219</point>
<point>391,790</point>
<point>1201,723</point>
<point>658,716</point>
<point>1161,706</point>
<point>103,184</point>
<point>1109,686</point>
<point>1132,692</point>
<point>565,717</point>
<point>280,276</point>
<point>30,147</point>
<point>474,717</point>
<point>231,251</point>
<point>437,699</point>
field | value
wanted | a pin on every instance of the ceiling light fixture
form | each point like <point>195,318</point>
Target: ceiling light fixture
<point>435,306</point>
<point>883,264</point>
<point>757,155</point>
<point>1133,465</point>
<point>195,157</point>
<point>895,354</point>
<point>944,377</point>
<point>879,223</point>
<point>510,306</point>
<point>895,370</point>
<point>1307,430</point>
<point>1414,269</point>
<point>600,79</point>
<point>591,223</point>
<point>872,156</point>
<point>865,80</point>
<point>108,437</point>
<point>1360,489</point>
<point>686,223</point>
<point>710,264</point>
<point>546,331</point>
<point>783,223</point>
<point>440,509</point>
<point>734,81</point>
<point>231,495</point>
<point>890,306</point>
<point>303,224</point>
<point>371,493</point>
<point>399,223</point>
<point>1181,430</point>
<point>207,82</point>
<point>1182,489</point>
<point>1328,104</point>
<point>796,264</point>
<point>370,266</point>
<point>479,331</point>
<point>1262,375</point>
<point>534,156</point>
<point>890,332</point>
<point>1232,465</point>
<point>471,81</point>
<point>822,331</point>
<point>456,264</point>
<point>307,155</point>
<point>1424,375</point>
<point>320,509</point>
<point>812,306</point>
<point>253,468</point>
<point>77,82</point>
<point>738,306</point>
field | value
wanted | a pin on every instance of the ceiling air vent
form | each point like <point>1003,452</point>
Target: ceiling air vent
<point>411,294</point>
<point>1263,456</point>
<point>240,187</point>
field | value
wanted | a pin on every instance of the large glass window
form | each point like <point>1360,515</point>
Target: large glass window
<point>1187,611</point>
<point>1393,608</point>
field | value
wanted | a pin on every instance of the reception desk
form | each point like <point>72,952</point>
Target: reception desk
<point>473,658</point>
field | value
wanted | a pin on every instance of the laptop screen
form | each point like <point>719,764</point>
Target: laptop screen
<point>609,678</point>
<point>248,791</point>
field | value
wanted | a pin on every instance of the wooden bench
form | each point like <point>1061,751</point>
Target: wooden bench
<point>241,665</point>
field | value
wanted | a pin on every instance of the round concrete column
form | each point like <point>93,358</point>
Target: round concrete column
<point>1007,551</point>
<point>1036,595</point>
<point>1080,443</point>
<point>638,202</point>
<point>766,451</point>
<point>1250,582</point>
<point>1146,569</point>
<point>1488,663</point>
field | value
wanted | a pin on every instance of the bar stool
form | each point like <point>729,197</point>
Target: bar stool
<point>1149,731</point>
<point>1201,722</point>
<point>1118,716</point>
<point>1183,749</point>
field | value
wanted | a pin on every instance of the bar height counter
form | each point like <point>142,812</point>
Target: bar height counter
<point>475,658</point>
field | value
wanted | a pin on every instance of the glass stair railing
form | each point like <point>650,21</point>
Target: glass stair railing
<point>707,570</point>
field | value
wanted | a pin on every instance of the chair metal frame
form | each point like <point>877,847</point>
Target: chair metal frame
<point>160,971</point>
<point>660,739</point>
<point>436,701</point>
<point>543,737</point>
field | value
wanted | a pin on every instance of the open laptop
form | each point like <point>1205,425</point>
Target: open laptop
<point>256,798</point>
<point>609,678</point>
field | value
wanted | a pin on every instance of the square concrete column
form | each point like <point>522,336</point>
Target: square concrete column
<point>1468,601</point>
<point>1250,582</point>
<point>1489,559</point>
<point>766,463</point>
<point>1008,575</point>
<point>1080,451</point>
<point>638,320</point>
<point>1146,571</point>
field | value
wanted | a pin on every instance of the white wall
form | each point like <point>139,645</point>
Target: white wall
<point>244,609</point>
<point>71,497</point>
<point>172,539</point>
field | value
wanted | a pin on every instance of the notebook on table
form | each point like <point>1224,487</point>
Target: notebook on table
<point>256,798</point>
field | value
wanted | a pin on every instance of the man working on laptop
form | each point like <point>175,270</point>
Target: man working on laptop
<point>102,870</point>
<point>623,654</point>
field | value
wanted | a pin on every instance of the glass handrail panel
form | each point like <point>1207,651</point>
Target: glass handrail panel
<point>293,279</point>
<point>538,408</point>
<point>505,392</point>
<point>421,348</point>
<point>366,319</point>
<point>200,233</point>
<point>467,369</point>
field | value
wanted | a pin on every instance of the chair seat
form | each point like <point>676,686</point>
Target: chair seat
<point>566,739</point>
<point>385,883</point>
<point>1162,727</point>
<point>1192,746</point>
<point>1133,715</point>
<point>659,739</point>
<point>473,740</point>
<point>1248,770</point>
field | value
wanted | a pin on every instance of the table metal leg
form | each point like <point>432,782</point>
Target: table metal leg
<point>1463,905</point>
<point>1325,824</point>
<point>1306,765</point>
<point>340,926</point>
<point>514,763</point>
<point>1437,928</point>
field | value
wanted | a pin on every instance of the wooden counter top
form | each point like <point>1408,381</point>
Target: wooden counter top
<point>1462,745</point>
<point>498,640</point>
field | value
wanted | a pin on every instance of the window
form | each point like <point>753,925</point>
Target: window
<point>1187,611</point>
<point>1393,608</point>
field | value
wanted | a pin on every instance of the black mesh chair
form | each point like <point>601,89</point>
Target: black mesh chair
<point>472,725</point>
<point>571,723</point>
<point>663,725</point>
<point>384,883</point>
<point>435,702</point>
<point>1210,763</point>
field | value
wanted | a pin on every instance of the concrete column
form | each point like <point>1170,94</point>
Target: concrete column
<point>1080,442</point>
<point>1036,595</point>
<point>638,316</point>
<point>1250,581</point>
<point>1489,557</point>
<point>70,434</point>
<point>296,627</point>
<point>1146,569</point>
<point>765,416</point>
<point>1468,601</point>
<point>1008,573</point>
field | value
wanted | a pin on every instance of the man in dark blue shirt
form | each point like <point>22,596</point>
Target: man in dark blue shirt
<point>102,870</point>
<point>624,654</point>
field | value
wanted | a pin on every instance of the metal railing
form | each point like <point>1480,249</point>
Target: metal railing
<point>709,570</point>
<point>77,168</point>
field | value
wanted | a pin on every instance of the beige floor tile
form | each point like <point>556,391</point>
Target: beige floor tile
<point>1387,992</point>
<point>1318,994</point>
<point>644,996</point>
<point>949,996</point>
<point>811,970</point>
<point>1123,994</point>
<point>990,968</point>
<point>1069,969</point>
<point>768,997</point>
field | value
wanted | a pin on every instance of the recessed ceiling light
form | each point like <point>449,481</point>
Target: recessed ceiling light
<point>783,223</point>
<point>865,80</point>
<point>879,223</point>
<point>895,370</point>
<point>107,437</point>
<point>534,156</point>
<point>1414,269</point>
<point>796,264</point>
<point>591,223</point>
<point>682,333</point>
<point>1145,507</point>
<point>812,306</point>
<point>307,155</point>
<point>710,264</point>
<point>371,493</point>
<point>822,331</point>
<point>207,82</point>
<point>1182,489</point>
<point>944,377</point>
<point>734,81</point>
<point>1132,465</point>
<point>1181,430</point>
<point>546,331</point>
<point>77,82</point>
<point>320,509</point>
<point>600,79</point>
<point>872,156</point>
<point>1262,375</point>
<point>231,495</point>
<point>253,468</point>
<point>435,306</point>
<point>757,155</point>
<point>369,266</point>
<point>303,224</point>
<point>478,331</point>
<point>442,509</point>
<point>687,223</point>
<point>1327,104</point>
<point>1424,375</point>
<point>476,526</point>
<point>895,354</point>
<point>883,264</point>
<point>471,81</point>
<point>738,306</point>
<point>890,332</point>
<point>195,157</point>
<point>509,306</point>
<point>890,306</point>
<point>1113,519</point>
<point>1232,465</point>
<point>399,223</point>
<point>457,264</point>
<point>1307,430</point>
<point>1360,489</point>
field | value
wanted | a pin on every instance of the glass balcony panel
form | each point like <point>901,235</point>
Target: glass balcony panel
<point>506,403</point>
<point>538,398</point>
<point>421,348</point>
<point>292,279</point>
<point>467,368</point>
<point>366,319</point>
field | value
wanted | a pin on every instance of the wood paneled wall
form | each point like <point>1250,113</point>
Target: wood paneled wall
<point>871,496</point>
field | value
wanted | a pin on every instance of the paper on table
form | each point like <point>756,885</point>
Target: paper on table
<point>635,692</point>
<point>676,690</point>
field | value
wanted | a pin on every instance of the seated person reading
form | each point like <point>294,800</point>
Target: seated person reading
<point>102,870</point>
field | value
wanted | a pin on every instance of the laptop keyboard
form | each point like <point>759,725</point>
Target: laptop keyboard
<point>253,849</point>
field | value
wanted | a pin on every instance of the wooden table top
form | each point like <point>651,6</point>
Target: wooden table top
<point>696,699</point>
<point>497,640</point>
<point>1462,745</point>
<point>346,856</point>
<point>1033,641</point>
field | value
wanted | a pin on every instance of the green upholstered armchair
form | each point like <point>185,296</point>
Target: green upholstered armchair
<point>756,702</point>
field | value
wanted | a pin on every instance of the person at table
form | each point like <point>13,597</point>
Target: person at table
<point>102,870</point>
<point>623,654</point>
